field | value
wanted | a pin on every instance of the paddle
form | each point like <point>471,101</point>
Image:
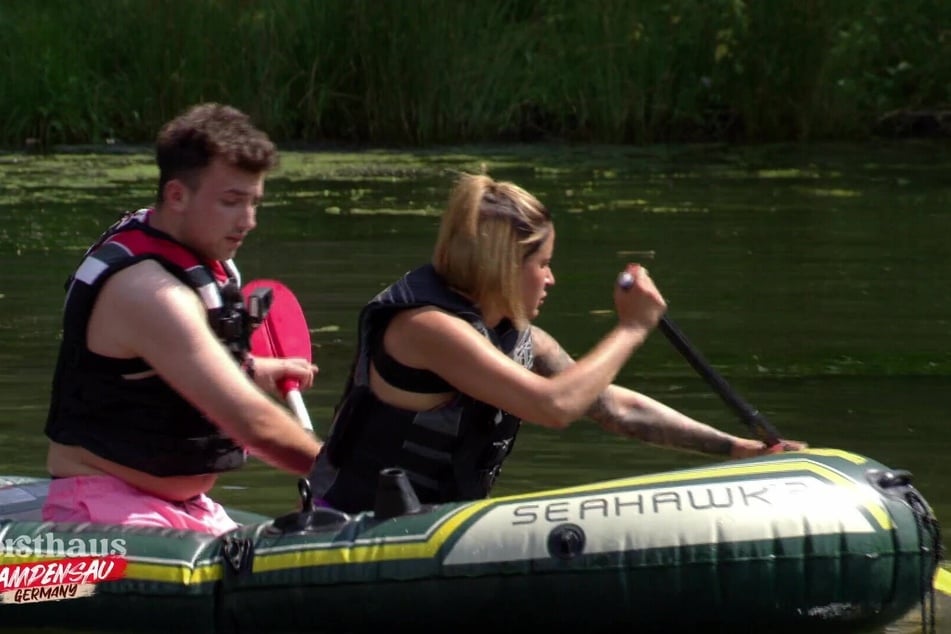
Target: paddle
<point>942,581</point>
<point>761,428</point>
<point>283,333</point>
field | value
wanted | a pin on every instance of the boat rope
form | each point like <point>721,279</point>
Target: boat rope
<point>929,536</point>
<point>238,553</point>
<point>897,484</point>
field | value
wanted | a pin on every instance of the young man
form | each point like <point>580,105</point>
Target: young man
<point>155,392</point>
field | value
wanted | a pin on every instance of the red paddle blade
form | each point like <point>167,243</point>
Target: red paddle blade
<point>284,332</point>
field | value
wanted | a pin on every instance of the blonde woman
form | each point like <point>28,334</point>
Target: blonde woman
<point>449,364</point>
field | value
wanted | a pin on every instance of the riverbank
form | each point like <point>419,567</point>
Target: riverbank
<point>442,72</point>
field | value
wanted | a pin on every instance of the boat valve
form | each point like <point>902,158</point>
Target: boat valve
<point>566,541</point>
<point>306,495</point>
<point>889,479</point>
<point>394,495</point>
<point>310,518</point>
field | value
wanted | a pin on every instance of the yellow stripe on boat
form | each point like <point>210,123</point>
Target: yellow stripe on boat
<point>177,574</point>
<point>426,545</point>
<point>791,465</point>
<point>360,554</point>
<point>774,542</point>
<point>837,453</point>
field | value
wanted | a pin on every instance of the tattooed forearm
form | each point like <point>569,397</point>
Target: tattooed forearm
<point>637,416</point>
<point>628,413</point>
<point>550,357</point>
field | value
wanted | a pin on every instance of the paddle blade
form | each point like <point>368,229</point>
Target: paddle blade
<point>942,581</point>
<point>282,334</point>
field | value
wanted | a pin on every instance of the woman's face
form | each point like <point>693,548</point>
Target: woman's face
<point>537,276</point>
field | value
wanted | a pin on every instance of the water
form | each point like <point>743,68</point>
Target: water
<point>814,278</point>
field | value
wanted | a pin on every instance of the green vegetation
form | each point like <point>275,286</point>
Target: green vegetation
<point>418,72</point>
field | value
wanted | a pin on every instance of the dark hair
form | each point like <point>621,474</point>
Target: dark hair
<point>188,143</point>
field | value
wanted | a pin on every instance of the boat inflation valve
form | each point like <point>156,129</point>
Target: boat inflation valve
<point>394,495</point>
<point>312,518</point>
<point>306,495</point>
<point>896,484</point>
<point>566,541</point>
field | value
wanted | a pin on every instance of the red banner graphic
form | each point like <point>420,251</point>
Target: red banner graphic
<point>78,570</point>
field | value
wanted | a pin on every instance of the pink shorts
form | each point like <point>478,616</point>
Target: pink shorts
<point>108,500</point>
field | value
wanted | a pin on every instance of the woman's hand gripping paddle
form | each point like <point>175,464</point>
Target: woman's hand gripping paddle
<point>283,333</point>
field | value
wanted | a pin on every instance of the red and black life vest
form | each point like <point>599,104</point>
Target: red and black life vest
<point>141,423</point>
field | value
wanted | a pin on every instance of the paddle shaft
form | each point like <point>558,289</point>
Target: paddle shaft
<point>761,427</point>
<point>289,387</point>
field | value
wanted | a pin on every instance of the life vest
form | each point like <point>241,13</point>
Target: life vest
<point>451,453</point>
<point>141,423</point>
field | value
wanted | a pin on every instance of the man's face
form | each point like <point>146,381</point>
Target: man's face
<point>222,210</point>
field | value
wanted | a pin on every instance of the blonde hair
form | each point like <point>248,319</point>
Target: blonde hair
<point>487,231</point>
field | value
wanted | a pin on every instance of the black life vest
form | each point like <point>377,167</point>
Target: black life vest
<point>451,453</point>
<point>141,423</point>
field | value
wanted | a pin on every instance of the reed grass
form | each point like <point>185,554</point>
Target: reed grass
<point>419,72</point>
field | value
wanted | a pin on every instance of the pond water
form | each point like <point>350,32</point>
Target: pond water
<point>814,278</point>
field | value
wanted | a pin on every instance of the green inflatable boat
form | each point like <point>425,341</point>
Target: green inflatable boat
<point>818,540</point>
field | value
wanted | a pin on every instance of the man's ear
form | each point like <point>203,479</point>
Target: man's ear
<point>175,195</point>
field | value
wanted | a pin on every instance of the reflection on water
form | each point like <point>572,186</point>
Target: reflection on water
<point>813,278</point>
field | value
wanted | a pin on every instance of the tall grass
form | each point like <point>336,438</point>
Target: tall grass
<point>443,71</point>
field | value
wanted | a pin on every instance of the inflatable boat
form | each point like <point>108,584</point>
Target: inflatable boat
<point>818,540</point>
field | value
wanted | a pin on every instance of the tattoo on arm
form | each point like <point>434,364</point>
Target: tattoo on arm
<point>627,413</point>
<point>633,415</point>
<point>550,357</point>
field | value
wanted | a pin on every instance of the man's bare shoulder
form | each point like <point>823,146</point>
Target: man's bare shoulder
<point>145,281</point>
<point>139,307</point>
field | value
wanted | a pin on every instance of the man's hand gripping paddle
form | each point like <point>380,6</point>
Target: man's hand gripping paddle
<point>283,333</point>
